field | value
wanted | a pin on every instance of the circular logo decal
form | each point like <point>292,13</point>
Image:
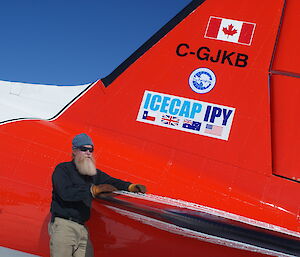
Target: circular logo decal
<point>202,80</point>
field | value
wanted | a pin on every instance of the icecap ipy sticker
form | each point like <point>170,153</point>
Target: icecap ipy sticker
<point>186,114</point>
<point>202,80</point>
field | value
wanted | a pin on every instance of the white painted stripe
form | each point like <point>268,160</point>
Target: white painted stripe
<point>220,213</point>
<point>7,252</point>
<point>22,101</point>
<point>197,235</point>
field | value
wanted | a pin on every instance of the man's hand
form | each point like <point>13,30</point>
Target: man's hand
<point>137,188</point>
<point>104,188</point>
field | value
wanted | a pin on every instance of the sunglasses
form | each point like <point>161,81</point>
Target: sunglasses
<point>84,149</point>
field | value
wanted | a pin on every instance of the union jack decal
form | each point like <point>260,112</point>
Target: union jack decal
<point>170,120</point>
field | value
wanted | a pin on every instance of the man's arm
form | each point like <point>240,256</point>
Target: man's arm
<point>103,178</point>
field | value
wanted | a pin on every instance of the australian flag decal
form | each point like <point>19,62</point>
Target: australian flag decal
<point>189,124</point>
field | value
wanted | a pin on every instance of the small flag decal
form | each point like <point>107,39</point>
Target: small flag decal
<point>193,125</point>
<point>170,120</point>
<point>240,32</point>
<point>148,115</point>
<point>213,130</point>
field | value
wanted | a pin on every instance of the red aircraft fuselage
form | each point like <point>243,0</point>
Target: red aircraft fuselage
<point>204,114</point>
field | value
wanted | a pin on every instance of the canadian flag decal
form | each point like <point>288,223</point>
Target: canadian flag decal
<point>240,32</point>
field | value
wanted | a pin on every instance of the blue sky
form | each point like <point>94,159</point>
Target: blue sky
<point>72,42</point>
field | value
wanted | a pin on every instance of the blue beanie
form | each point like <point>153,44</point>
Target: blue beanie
<point>81,139</point>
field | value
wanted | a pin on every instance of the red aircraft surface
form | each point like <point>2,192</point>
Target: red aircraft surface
<point>204,114</point>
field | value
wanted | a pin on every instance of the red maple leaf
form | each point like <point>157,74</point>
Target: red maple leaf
<point>229,31</point>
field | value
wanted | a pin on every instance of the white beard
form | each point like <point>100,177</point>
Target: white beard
<point>85,166</point>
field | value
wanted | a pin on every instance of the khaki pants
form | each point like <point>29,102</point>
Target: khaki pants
<point>69,239</point>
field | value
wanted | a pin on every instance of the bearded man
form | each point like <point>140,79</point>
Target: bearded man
<point>74,185</point>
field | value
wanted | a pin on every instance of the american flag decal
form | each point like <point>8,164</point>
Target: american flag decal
<point>213,130</point>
